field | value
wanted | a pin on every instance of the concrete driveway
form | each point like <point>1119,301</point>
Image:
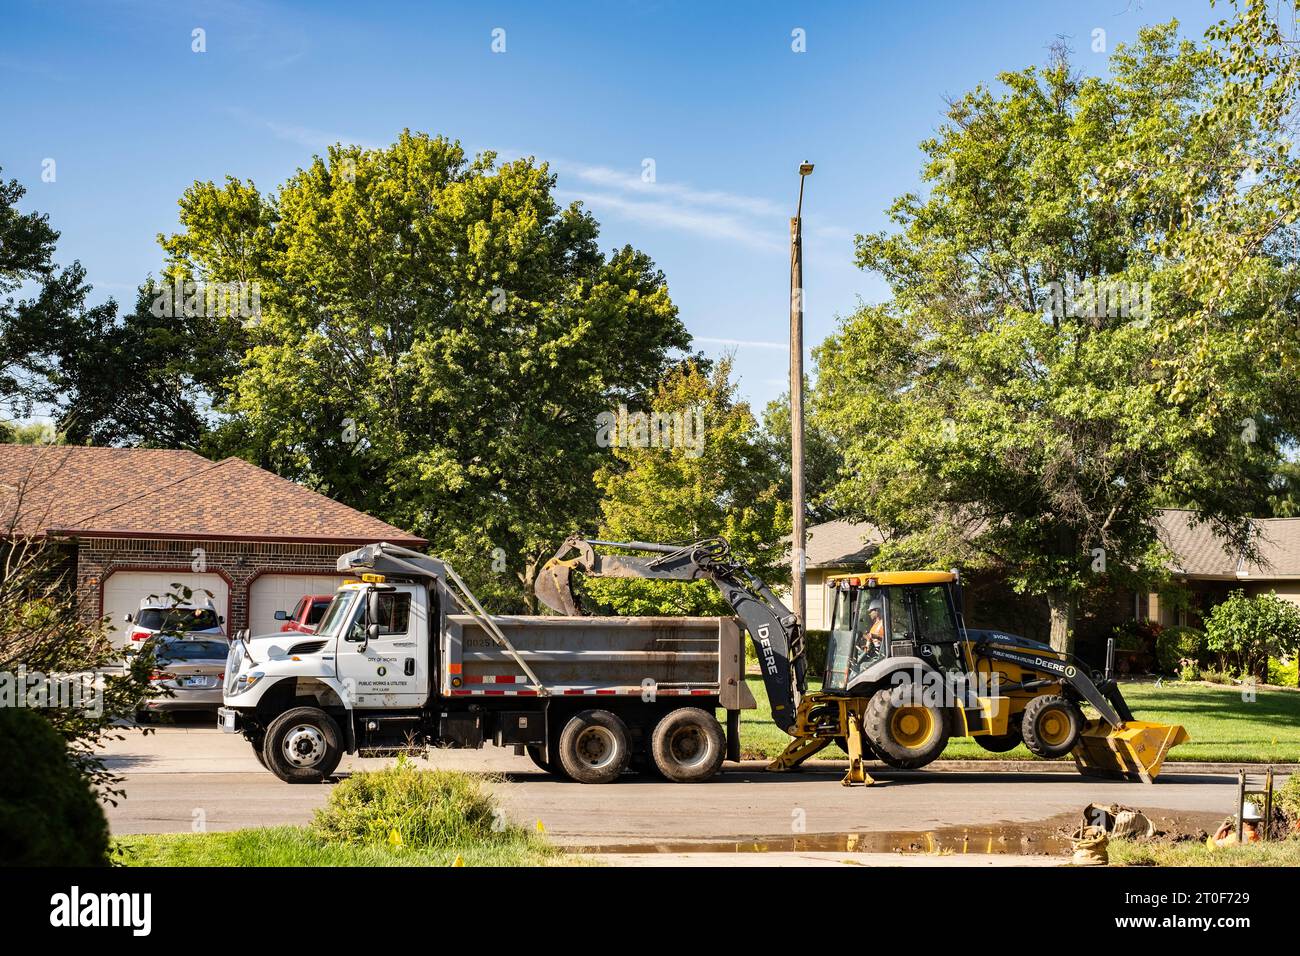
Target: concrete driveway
<point>191,776</point>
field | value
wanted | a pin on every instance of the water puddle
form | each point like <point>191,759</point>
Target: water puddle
<point>1021,840</point>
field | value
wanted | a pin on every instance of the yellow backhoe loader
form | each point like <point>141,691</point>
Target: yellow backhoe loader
<point>903,673</point>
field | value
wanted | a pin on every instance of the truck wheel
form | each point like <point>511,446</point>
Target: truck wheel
<point>594,747</point>
<point>303,745</point>
<point>1052,726</point>
<point>1000,744</point>
<point>904,731</point>
<point>688,745</point>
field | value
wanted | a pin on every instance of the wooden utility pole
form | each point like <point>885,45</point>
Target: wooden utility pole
<point>798,553</point>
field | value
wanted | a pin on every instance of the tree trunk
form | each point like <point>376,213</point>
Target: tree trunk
<point>1062,607</point>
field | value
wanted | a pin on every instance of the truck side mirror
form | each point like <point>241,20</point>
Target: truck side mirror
<point>128,617</point>
<point>374,610</point>
<point>282,615</point>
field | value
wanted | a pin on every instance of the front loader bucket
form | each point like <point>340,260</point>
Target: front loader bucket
<point>1135,751</point>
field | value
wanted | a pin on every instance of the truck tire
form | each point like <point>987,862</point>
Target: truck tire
<point>688,745</point>
<point>303,745</point>
<point>537,755</point>
<point>594,747</point>
<point>1000,744</point>
<point>1052,726</point>
<point>904,731</point>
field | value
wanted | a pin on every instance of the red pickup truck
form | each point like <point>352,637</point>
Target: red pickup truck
<point>306,614</point>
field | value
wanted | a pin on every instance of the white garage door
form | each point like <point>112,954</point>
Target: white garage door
<point>123,591</point>
<point>281,592</point>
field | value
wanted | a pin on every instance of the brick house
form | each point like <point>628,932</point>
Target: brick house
<point>131,522</point>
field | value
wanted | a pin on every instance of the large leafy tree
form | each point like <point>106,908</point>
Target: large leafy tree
<point>436,339</point>
<point>723,481</point>
<point>1091,316</point>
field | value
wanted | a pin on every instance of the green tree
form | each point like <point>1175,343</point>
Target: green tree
<point>1076,333</point>
<point>1246,632</point>
<point>435,340</point>
<point>822,457</point>
<point>721,481</point>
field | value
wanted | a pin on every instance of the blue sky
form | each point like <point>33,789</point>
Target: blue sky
<point>713,94</point>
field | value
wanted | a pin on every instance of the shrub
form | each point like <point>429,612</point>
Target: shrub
<point>1287,798</point>
<point>1177,644</point>
<point>1246,632</point>
<point>1284,673</point>
<point>1189,670</point>
<point>49,816</point>
<point>431,809</point>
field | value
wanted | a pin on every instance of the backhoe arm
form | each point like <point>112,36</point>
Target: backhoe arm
<point>775,631</point>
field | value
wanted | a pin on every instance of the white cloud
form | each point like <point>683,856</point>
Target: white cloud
<point>746,343</point>
<point>672,215</point>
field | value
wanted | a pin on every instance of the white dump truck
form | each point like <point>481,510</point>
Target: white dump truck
<point>406,657</point>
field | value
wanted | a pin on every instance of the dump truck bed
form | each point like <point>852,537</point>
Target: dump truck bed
<point>597,657</point>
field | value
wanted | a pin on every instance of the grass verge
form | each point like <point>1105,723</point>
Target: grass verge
<point>1193,853</point>
<point>397,816</point>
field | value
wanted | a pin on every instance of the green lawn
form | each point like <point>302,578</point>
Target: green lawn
<point>1189,853</point>
<point>1222,725</point>
<point>298,846</point>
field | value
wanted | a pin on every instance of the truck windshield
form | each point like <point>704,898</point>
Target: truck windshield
<point>340,610</point>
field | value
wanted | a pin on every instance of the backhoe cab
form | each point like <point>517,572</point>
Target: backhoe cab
<point>904,674</point>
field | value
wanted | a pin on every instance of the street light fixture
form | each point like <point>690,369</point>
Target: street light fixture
<point>800,537</point>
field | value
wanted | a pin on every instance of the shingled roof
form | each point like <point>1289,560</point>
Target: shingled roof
<point>1199,553</point>
<point>163,493</point>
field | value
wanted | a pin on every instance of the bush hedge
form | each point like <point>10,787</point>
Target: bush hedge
<point>48,814</point>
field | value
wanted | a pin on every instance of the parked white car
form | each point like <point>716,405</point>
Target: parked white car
<point>196,618</point>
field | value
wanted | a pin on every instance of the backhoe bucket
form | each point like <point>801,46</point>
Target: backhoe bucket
<point>554,588</point>
<point>1135,751</point>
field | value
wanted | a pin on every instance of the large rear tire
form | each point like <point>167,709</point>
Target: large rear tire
<point>904,731</point>
<point>1052,726</point>
<point>594,747</point>
<point>688,745</point>
<point>303,745</point>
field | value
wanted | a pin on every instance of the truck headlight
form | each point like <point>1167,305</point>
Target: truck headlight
<point>246,681</point>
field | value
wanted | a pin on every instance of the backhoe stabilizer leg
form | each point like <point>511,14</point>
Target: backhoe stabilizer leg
<point>796,752</point>
<point>857,772</point>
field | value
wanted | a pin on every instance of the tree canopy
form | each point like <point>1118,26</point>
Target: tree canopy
<point>434,341</point>
<point>1092,313</point>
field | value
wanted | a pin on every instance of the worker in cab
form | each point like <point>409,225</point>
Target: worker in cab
<point>870,644</point>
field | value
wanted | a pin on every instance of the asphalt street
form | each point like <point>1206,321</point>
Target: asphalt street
<point>191,776</point>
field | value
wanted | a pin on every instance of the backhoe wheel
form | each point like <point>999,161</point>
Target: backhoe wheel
<point>1000,744</point>
<point>594,747</point>
<point>303,745</point>
<point>904,730</point>
<point>688,745</point>
<point>1052,726</point>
